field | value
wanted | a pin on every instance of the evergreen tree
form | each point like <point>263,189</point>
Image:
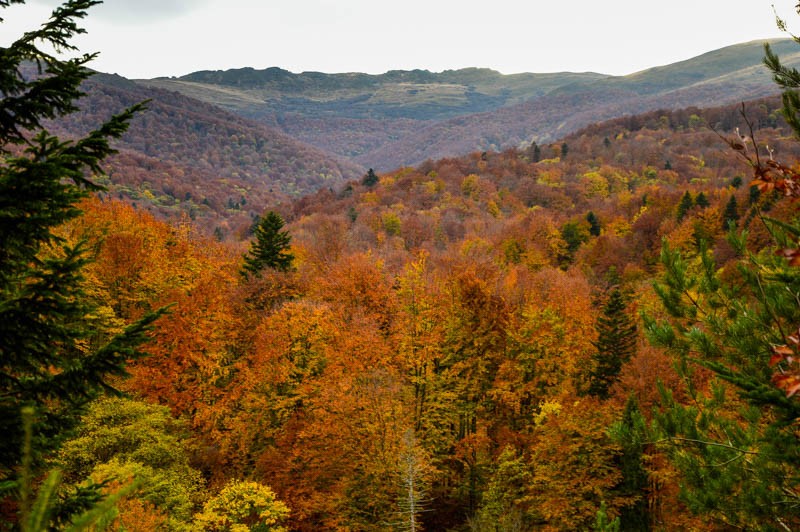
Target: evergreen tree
<point>631,435</point>
<point>370,179</point>
<point>701,200</point>
<point>537,153</point>
<point>754,194</point>
<point>594,224</point>
<point>738,455</point>
<point>564,150</point>
<point>56,352</point>
<point>574,235</point>
<point>270,248</point>
<point>731,213</point>
<point>685,205</point>
<point>615,345</point>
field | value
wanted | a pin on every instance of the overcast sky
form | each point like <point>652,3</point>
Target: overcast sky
<point>149,38</point>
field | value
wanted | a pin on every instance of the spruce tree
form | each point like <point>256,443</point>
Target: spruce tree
<point>631,434</point>
<point>270,248</point>
<point>370,179</point>
<point>537,153</point>
<point>56,354</point>
<point>685,205</point>
<point>594,224</point>
<point>731,213</point>
<point>615,345</point>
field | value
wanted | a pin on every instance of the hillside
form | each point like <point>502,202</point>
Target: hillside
<point>416,94</point>
<point>443,325</point>
<point>186,156</point>
<point>405,117</point>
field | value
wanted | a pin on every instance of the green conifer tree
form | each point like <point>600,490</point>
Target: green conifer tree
<point>56,354</point>
<point>537,153</point>
<point>615,345</point>
<point>594,224</point>
<point>630,434</point>
<point>370,179</point>
<point>731,213</point>
<point>270,249</point>
<point>734,441</point>
<point>685,205</point>
<point>754,194</point>
<point>702,201</point>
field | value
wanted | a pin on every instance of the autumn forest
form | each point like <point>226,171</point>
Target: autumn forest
<point>596,333</point>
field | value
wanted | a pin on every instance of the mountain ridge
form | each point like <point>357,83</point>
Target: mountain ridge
<point>401,118</point>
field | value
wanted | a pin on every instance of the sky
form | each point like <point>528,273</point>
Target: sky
<point>151,38</point>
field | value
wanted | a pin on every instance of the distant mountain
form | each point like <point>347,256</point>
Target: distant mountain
<point>404,117</point>
<point>415,94</point>
<point>183,155</point>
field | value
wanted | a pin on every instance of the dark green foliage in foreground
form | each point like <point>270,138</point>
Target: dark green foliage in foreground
<point>56,352</point>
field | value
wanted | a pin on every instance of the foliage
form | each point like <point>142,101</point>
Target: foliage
<point>735,452</point>
<point>738,454</point>
<point>504,505</point>
<point>270,248</point>
<point>241,506</point>
<point>602,523</point>
<point>615,345</point>
<point>631,434</point>
<point>731,213</point>
<point>57,352</point>
<point>370,179</point>
<point>686,203</point>
<point>122,438</point>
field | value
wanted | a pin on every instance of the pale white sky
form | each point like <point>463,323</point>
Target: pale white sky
<point>149,38</point>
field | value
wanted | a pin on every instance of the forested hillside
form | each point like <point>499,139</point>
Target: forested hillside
<point>445,327</point>
<point>185,157</point>
<point>598,333</point>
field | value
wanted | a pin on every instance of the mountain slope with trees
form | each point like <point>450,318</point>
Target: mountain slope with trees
<point>185,156</point>
<point>600,331</point>
<point>405,117</point>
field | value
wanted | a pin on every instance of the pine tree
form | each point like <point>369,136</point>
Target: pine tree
<point>616,344</point>
<point>270,248</point>
<point>631,435</point>
<point>594,224</point>
<point>731,213</point>
<point>370,179</point>
<point>702,201</point>
<point>685,204</point>
<point>56,354</point>
<point>734,441</point>
<point>537,153</point>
